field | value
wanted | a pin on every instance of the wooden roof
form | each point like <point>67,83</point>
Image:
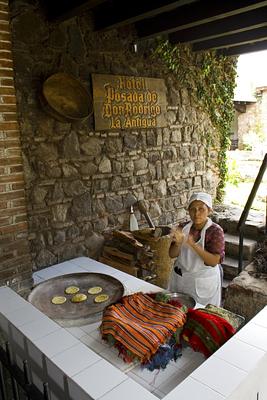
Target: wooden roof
<point>232,27</point>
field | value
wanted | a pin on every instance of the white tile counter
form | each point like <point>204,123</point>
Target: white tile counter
<point>79,365</point>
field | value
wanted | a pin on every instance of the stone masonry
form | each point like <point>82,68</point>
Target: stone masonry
<point>80,183</point>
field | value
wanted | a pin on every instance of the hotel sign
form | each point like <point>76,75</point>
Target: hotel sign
<point>128,102</point>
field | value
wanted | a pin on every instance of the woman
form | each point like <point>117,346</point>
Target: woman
<point>199,248</point>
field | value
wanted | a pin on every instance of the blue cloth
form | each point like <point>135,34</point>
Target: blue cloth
<point>166,353</point>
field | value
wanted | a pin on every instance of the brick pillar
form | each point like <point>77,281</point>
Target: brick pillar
<point>15,259</point>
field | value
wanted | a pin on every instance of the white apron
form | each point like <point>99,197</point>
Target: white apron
<point>200,281</point>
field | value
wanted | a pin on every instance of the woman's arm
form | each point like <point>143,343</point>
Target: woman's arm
<point>175,247</point>
<point>208,258</point>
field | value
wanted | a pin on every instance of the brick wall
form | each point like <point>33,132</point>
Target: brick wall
<point>15,260</point>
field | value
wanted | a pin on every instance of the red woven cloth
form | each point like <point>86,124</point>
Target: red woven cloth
<point>141,324</point>
<point>206,332</point>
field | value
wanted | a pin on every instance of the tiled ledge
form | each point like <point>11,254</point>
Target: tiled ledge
<point>70,359</point>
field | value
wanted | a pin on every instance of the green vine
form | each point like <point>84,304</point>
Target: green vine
<point>211,79</point>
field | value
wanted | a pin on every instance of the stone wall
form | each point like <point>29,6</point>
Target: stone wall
<point>253,120</point>
<point>247,123</point>
<point>79,182</point>
<point>263,112</point>
<point>15,259</point>
<point>246,295</point>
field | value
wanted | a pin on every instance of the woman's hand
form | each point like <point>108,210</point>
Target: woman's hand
<point>208,258</point>
<point>190,240</point>
<point>177,237</point>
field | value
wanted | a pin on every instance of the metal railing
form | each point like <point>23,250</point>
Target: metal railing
<point>244,215</point>
<point>15,384</point>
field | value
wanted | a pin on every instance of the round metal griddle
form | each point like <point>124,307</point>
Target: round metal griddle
<point>75,314</point>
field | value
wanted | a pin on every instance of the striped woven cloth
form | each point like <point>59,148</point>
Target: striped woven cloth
<point>205,331</point>
<point>141,324</point>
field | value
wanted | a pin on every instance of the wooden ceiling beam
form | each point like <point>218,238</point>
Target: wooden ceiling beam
<point>188,16</point>
<point>243,49</point>
<point>231,27</point>
<point>61,10</point>
<point>234,24</point>
<point>117,13</point>
<point>236,39</point>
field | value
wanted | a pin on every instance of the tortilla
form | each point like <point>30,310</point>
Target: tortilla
<point>58,299</point>
<point>72,289</point>
<point>95,290</point>
<point>101,298</point>
<point>78,298</point>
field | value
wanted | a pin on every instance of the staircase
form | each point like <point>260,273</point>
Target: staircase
<point>254,231</point>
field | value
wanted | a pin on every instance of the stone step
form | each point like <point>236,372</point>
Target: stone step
<point>228,217</point>
<point>232,247</point>
<point>252,229</point>
<point>230,267</point>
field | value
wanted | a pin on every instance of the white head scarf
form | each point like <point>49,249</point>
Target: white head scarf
<point>204,197</point>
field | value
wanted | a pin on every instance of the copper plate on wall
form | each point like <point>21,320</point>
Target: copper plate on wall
<point>64,97</point>
<point>75,314</point>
